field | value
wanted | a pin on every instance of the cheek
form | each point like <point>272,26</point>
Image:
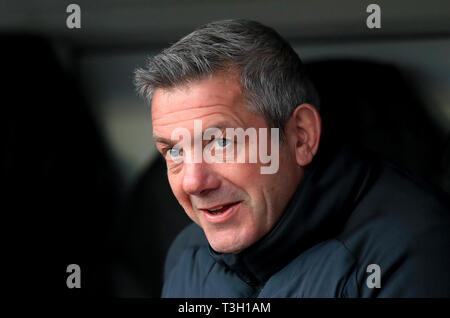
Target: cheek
<point>247,177</point>
<point>267,192</point>
<point>175,182</point>
<point>243,175</point>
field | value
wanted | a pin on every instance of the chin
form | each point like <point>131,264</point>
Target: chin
<point>226,249</point>
<point>230,243</point>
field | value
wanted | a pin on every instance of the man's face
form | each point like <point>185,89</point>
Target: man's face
<point>248,203</point>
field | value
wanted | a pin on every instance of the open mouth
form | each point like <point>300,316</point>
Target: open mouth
<point>221,213</point>
<point>220,209</point>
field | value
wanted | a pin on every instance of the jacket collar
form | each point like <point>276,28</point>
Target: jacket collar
<point>317,211</point>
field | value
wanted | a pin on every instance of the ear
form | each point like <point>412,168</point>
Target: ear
<point>303,133</point>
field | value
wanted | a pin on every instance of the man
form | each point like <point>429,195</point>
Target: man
<point>329,222</point>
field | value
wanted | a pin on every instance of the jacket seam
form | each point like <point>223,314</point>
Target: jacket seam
<point>354,272</point>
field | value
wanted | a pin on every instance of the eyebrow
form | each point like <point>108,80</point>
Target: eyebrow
<point>221,126</point>
<point>162,140</point>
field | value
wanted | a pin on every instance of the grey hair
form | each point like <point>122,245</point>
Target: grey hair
<point>273,79</point>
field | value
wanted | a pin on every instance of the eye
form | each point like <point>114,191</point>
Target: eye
<point>222,142</point>
<point>175,153</point>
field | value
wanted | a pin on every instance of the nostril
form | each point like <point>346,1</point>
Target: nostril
<point>198,180</point>
<point>192,185</point>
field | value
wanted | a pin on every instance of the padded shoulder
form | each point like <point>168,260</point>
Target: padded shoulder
<point>191,236</point>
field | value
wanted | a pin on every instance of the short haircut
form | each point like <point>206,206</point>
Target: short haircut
<point>273,79</point>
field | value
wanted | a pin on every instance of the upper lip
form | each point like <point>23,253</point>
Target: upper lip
<point>219,205</point>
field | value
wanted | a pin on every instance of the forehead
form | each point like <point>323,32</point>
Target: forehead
<point>218,93</point>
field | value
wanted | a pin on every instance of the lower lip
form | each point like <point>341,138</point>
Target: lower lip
<point>224,216</point>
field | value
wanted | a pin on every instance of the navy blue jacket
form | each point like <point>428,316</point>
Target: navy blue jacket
<point>349,212</point>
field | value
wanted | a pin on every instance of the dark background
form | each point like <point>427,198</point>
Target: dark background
<point>81,179</point>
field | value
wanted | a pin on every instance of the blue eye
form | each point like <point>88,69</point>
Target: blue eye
<point>174,152</point>
<point>222,142</point>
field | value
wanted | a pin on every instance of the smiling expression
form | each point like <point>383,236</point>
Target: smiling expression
<point>233,202</point>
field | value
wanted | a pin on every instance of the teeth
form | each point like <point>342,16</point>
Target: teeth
<point>213,211</point>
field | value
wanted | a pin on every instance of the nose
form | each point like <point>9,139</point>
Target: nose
<point>199,179</point>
